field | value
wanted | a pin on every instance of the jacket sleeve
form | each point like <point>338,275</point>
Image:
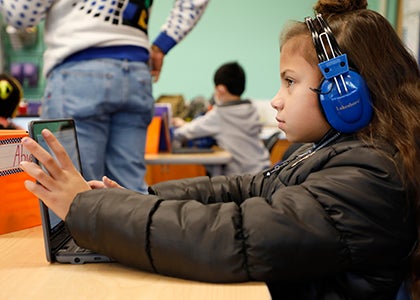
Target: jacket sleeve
<point>203,126</point>
<point>216,239</point>
<point>248,234</point>
<point>24,13</point>
<point>182,19</point>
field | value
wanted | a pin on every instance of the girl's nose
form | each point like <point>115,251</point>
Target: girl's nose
<point>276,102</point>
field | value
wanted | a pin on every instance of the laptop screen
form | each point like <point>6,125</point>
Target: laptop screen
<point>66,135</point>
<point>64,130</point>
<point>59,245</point>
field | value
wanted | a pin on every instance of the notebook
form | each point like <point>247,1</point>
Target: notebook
<point>59,245</point>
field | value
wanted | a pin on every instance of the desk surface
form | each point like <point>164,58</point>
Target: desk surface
<point>26,274</point>
<point>218,157</point>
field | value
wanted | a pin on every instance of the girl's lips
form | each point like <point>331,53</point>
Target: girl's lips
<point>280,121</point>
<point>280,124</point>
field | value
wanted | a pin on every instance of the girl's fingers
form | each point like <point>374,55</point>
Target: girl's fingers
<point>109,183</point>
<point>38,190</point>
<point>38,174</point>
<point>45,158</point>
<point>96,184</point>
<point>58,150</point>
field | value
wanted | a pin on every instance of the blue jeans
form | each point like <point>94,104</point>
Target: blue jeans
<point>112,104</point>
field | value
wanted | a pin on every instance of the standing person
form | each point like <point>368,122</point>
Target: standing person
<point>234,124</point>
<point>97,68</point>
<point>336,220</point>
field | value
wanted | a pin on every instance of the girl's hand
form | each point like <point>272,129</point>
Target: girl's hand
<point>105,183</point>
<point>59,186</point>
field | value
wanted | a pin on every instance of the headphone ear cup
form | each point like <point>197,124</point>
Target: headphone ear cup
<point>346,108</point>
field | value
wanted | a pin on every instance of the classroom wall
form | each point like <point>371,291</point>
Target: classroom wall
<point>31,53</point>
<point>243,31</point>
<point>230,30</point>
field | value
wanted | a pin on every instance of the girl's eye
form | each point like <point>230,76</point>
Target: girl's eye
<point>289,82</point>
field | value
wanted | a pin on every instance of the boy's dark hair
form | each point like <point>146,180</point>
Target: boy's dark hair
<point>231,75</point>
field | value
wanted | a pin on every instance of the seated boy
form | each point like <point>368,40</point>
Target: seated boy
<point>234,124</point>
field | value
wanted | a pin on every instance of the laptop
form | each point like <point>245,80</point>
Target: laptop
<point>164,111</point>
<point>59,245</point>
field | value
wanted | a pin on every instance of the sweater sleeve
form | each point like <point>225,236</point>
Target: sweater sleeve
<point>24,13</point>
<point>203,126</point>
<point>182,19</point>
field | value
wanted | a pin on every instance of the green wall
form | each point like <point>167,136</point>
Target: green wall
<point>245,31</point>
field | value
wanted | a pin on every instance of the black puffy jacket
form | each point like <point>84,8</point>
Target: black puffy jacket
<point>333,224</point>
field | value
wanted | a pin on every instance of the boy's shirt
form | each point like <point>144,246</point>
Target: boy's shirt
<point>236,128</point>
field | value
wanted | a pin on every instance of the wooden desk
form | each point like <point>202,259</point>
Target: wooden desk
<point>26,274</point>
<point>168,166</point>
<point>218,157</point>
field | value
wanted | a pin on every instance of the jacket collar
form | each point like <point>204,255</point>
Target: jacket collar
<point>234,102</point>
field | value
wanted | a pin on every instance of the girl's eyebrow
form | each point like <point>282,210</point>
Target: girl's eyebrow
<point>285,72</point>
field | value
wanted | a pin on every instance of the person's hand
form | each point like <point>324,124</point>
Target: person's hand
<point>61,184</point>
<point>178,122</point>
<point>105,183</point>
<point>156,62</point>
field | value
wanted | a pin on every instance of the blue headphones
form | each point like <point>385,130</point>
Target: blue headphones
<point>343,93</point>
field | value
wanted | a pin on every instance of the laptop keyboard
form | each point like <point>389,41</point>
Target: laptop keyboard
<point>71,246</point>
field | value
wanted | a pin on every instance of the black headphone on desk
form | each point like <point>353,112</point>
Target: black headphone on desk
<point>343,93</point>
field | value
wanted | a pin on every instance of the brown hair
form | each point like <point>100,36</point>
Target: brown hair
<point>390,71</point>
<point>393,77</point>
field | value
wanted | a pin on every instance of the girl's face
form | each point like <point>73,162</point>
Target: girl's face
<point>298,111</point>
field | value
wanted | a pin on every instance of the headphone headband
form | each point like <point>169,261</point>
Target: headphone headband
<point>319,39</point>
<point>343,94</point>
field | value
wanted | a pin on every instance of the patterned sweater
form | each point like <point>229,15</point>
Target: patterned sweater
<point>75,25</point>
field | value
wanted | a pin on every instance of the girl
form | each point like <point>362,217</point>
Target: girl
<point>336,220</point>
